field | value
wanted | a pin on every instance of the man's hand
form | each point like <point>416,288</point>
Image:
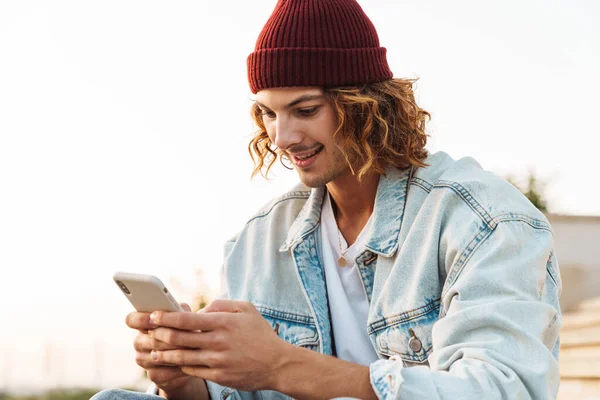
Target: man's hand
<point>229,342</point>
<point>170,379</point>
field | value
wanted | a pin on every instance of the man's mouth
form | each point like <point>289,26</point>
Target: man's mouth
<point>305,159</point>
<point>309,155</point>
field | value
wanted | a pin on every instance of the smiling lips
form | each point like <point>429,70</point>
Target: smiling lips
<point>306,159</point>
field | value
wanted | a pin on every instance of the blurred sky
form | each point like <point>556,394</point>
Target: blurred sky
<point>123,134</point>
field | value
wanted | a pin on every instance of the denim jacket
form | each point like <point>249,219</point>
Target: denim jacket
<point>460,274</point>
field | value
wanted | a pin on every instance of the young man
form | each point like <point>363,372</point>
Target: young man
<point>389,273</point>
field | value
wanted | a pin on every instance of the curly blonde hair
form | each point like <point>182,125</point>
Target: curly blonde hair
<point>379,125</point>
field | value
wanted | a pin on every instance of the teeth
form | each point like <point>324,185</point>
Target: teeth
<point>309,155</point>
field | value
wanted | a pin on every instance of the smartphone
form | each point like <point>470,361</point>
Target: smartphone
<point>146,292</point>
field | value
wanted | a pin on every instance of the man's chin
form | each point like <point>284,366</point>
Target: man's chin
<point>313,181</point>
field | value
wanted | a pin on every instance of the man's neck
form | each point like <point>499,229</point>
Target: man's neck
<point>353,202</point>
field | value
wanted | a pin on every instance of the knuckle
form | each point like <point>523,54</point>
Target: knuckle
<point>218,339</point>
<point>178,318</point>
<point>182,319</point>
<point>215,304</point>
<point>179,357</point>
<point>172,336</point>
<point>166,346</point>
<point>227,323</point>
<point>215,360</point>
<point>140,359</point>
<point>137,343</point>
<point>157,317</point>
<point>212,337</point>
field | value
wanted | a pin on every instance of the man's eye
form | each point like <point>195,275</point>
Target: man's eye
<point>307,112</point>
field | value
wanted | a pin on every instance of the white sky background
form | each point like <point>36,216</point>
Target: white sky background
<point>123,134</point>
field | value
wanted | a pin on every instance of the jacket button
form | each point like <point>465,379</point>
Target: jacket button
<point>415,344</point>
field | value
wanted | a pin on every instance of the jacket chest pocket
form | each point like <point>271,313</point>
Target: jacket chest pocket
<point>299,330</point>
<point>407,336</point>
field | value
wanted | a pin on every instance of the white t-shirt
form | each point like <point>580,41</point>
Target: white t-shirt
<point>348,302</point>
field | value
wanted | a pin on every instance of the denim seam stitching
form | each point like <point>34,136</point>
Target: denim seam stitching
<point>320,334</point>
<point>365,270</point>
<point>455,270</point>
<point>533,222</point>
<point>421,183</point>
<point>469,199</point>
<point>388,322</point>
<point>305,235</point>
<point>286,315</point>
<point>291,197</point>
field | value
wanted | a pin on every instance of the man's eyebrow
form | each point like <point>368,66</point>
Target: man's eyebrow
<point>297,101</point>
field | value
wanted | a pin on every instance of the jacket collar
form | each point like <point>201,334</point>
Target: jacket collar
<point>307,220</point>
<point>387,214</point>
<point>388,211</point>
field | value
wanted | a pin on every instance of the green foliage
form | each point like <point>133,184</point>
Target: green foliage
<point>533,190</point>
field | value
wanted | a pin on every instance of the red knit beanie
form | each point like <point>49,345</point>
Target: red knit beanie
<point>323,43</point>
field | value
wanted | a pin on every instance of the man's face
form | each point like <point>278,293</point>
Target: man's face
<point>301,123</point>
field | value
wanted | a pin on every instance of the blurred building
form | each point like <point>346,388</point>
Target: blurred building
<point>577,246</point>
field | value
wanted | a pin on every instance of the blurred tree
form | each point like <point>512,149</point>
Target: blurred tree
<point>202,293</point>
<point>533,190</point>
<point>199,295</point>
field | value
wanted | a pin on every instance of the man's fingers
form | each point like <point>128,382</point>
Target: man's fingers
<point>190,321</point>
<point>140,321</point>
<point>209,374</point>
<point>144,342</point>
<point>193,340</point>
<point>199,371</point>
<point>182,357</point>
<point>145,360</point>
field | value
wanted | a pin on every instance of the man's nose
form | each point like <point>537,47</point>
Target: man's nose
<point>286,133</point>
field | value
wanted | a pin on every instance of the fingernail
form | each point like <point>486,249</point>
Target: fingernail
<point>154,355</point>
<point>150,333</point>
<point>153,317</point>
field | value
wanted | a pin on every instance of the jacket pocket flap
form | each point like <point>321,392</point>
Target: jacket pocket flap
<point>299,330</point>
<point>408,335</point>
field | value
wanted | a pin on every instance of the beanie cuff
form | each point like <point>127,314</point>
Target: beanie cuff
<point>284,67</point>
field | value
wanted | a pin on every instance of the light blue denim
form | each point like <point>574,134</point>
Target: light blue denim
<point>118,394</point>
<point>458,263</point>
<point>458,260</point>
